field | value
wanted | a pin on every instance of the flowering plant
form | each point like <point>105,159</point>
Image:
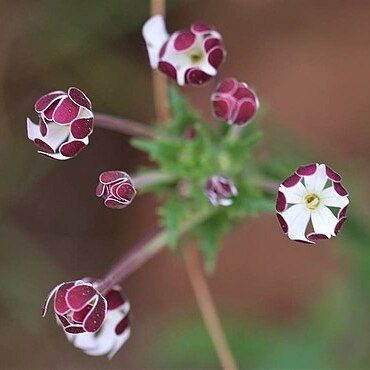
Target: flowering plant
<point>206,173</point>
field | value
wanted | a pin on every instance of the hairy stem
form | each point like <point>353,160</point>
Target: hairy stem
<point>143,251</point>
<point>160,87</point>
<point>123,126</point>
<point>208,309</point>
<point>144,180</point>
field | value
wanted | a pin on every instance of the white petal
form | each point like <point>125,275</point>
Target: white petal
<point>297,218</point>
<point>295,194</point>
<point>206,67</point>
<point>155,35</point>
<point>331,198</point>
<point>121,340</point>
<point>324,221</point>
<point>33,130</point>
<point>57,134</point>
<point>316,182</point>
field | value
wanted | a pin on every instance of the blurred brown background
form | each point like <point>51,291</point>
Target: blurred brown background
<point>309,62</point>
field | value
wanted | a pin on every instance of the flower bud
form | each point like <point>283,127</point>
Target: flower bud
<point>96,324</point>
<point>234,102</point>
<point>65,123</point>
<point>190,56</point>
<point>220,190</point>
<point>116,188</point>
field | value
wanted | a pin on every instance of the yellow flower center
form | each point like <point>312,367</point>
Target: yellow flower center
<point>196,56</point>
<point>312,201</point>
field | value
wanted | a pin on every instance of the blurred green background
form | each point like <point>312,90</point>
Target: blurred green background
<point>283,305</point>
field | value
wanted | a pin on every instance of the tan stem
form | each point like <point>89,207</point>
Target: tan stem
<point>208,309</point>
<point>203,296</point>
<point>160,87</point>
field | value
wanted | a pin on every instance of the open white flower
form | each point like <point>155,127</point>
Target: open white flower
<point>313,193</point>
<point>191,56</point>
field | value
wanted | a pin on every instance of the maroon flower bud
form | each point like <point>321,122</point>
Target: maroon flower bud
<point>220,190</point>
<point>101,322</point>
<point>190,56</point>
<point>65,123</point>
<point>190,132</point>
<point>116,188</point>
<point>234,102</point>
<point>78,306</point>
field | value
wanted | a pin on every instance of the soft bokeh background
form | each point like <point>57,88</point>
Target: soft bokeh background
<point>283,305</point>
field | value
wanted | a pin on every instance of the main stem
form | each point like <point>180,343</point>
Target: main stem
<point>195,272</point>
<point>160,87</point>
<point>208,309</point>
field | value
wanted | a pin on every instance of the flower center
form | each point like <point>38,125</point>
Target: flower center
<point>196,56</point>
<point>312,201</point>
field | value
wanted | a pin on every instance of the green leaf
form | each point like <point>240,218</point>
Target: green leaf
<point>173,213</point>
<point>211,233</point>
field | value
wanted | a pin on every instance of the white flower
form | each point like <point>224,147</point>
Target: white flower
<point>190,56</point>
<point>114,331</point>
<point>313,193</point>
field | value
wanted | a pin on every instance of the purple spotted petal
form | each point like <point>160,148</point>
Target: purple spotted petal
<point>94,319</point>
<point>184,40</point>
<point>79,98</point>
<point>45,101</point>
<point>281,202</point>
<point>114,299</point>
<point>227,86</point>
<point>332,174</point>
<point>244,111</point>
<point>195,76</point>
<point>122,325</point>
<point>168,69</point>
<point>48,113</point>
<point>72,148</point>
<point>200,28</point>
<point>339,225</point>
<point>79,296</point>
<point>123,191</point>
<point>113,203</point>
<point>109,177</point>
<point>216,56</point>
<point>44,146</point>
<point>66,111</point>
<point>60,304</point>
<point>82,127</point>
<point>282,222</point>
<point>291,180</point>
<point>210,43</point>
<point>338,187</point>
<point>74,329</point>
<point>315,236</point>
<point>307,170</point>
<point>222,107</point>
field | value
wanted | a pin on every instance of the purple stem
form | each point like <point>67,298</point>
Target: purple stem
<point>122,125</point>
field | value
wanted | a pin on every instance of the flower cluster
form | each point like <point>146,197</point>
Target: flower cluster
<point>101,322</point>
<point>65,123</point>
<point>310,194</point>
<point>311,204</point>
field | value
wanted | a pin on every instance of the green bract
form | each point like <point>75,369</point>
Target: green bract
<point>190,162</point>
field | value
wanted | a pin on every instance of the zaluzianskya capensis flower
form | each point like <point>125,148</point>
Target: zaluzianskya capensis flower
<point>234,102</point>
<point>313,193</point>
<point>190,56</point>
<point>116,188</point>
<point>220,190</point>
<point>65,123</point>
<point>97,324</point>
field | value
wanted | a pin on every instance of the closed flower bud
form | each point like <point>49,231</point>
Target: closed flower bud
<point>65,123</point>
<point>116,188</point>
<point>220,190</point>
<point>96,324</point>
<point>234,102</point>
